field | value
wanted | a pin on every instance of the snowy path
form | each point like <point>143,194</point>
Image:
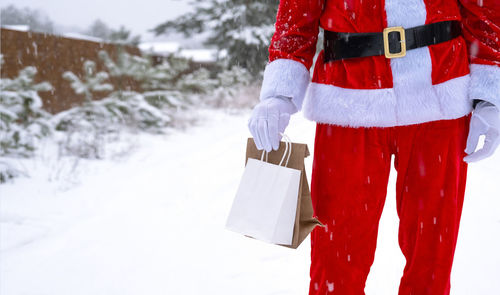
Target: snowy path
<point>153,223</point>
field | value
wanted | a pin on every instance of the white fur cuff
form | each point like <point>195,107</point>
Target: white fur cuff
<point>485,83</point>
<point>285,77</point>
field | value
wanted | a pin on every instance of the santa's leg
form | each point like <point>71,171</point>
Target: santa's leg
<point>348,188</point>
<point>430,192</point>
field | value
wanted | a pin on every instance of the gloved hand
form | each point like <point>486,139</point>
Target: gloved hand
<point>485,120</point>
<point>270,117</point>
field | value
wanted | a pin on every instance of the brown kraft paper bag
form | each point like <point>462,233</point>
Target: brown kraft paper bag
<point>304,220</point>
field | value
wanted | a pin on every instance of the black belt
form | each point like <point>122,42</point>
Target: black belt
<point>392,42</point>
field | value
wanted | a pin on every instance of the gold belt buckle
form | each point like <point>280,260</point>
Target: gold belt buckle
<point>385,33</point>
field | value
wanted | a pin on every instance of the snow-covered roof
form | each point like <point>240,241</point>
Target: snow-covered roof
<point>72,35</point>
<point>23,28</point>
<point>164,48</point>
<point>82,37</point>
<point>160,47</point>
<point>199,55</point>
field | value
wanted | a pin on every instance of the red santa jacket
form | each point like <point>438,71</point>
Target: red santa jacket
<point>429,83</point>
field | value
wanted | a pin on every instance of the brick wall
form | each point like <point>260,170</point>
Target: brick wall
<point>52,56</point>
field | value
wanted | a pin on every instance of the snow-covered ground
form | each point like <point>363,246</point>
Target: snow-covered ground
<point>152,222</point>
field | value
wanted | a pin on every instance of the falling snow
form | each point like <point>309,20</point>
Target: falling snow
<point>330,286</point>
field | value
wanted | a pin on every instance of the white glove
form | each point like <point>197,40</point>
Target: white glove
<point>270,117</point>
<point>485,120</point>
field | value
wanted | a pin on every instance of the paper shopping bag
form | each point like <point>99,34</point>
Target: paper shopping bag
<point>266,200</point>
<point>295,221</point>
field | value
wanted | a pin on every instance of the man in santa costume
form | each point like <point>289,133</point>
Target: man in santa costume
<point>415,79</point>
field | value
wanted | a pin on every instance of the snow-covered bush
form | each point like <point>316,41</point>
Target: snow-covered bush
<point>167,99</point>
<point>176,84</point>
<point>234,76</point>
<point>172,78</point>
<point>88,113</point>
<point>175,78</point>
<point>198,81</point>
<point>142,70</point>
<point>82,129</point>
<point>22,120</point>
<point>137,112</point>
<point>126,67</point>
<point>165,75</point>
<point>7,171</point>
<point>126,64</point>
<point>89,126</point>
<point>92,82</point>
<point>170,90</point>
<point>232,89</point>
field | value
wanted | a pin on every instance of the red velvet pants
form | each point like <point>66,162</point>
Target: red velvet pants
<point>348,189</point>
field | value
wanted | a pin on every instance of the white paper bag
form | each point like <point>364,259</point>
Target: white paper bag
<point>266,201</point>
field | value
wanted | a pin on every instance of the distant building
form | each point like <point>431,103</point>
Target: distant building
<point>160,48</point>
<point>202,56</point>
<point>53,55</point>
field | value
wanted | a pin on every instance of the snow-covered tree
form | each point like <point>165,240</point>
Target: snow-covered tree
<point>22,119</point>
<point>228,92</point>
<point>7,171</point>
<point>85,126</point>
<point>197,82</point>
<point>161,86</point>
<point>176,84</point>
<point>234,76</point>
<point>37,20</point>
<point>127,66</point>
<point>99,29</point>
<point>243,28</point>
<point>167,85</point>
<point>89,112</point>
<point>171,74</point>
<point>124,36</point>
<point>88,126</point>
<point>138,113</point>
<point>92,81</point>
<point>139,68</point>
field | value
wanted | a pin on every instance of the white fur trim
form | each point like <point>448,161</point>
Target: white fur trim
<point>485,83</point>
<point>413,99</point>
<point>285,77</point>
<point>407,13</point>
<point>383,108</point>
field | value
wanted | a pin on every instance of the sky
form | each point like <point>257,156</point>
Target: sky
<point>137,15</point>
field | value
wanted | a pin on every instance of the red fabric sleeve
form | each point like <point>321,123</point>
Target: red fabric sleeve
<point>292,50</point>
<point>296,31</point>
<point>481,30</point>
